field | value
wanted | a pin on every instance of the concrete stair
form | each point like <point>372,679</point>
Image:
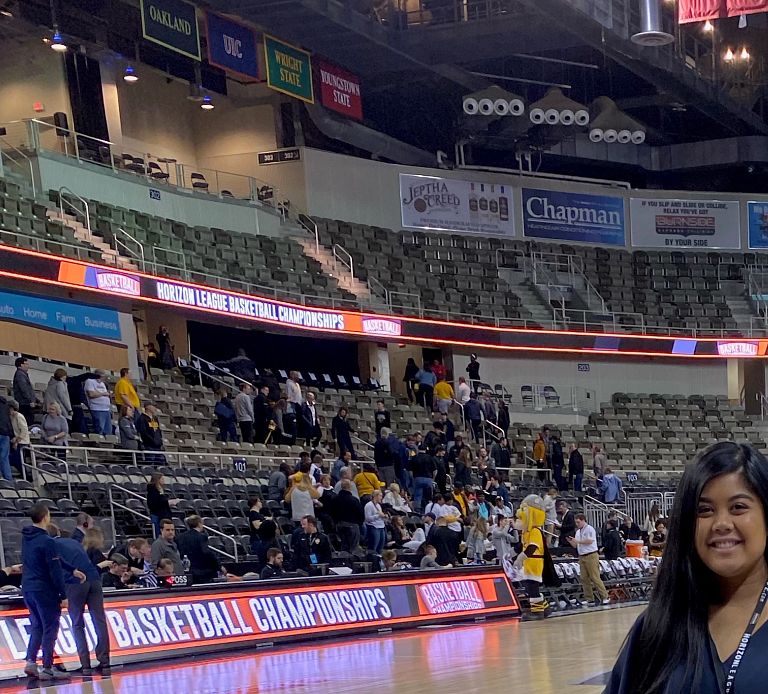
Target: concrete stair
<point>530,301</point>
<point>109,255</point>
<point>334,269</point>
<point>738,304</point>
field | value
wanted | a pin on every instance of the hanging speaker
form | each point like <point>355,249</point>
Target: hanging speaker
<point>596,135</point>
<point>567,117</point>
<point>625,137</point>
<point>501,107</point>
<point>516,107</point>
<point>537,116</point>
<point>551,116</point>
<point>61,123</point>
<point>470,106</point>
<point>485,107</point>
<point>581,117</point>
<point>638,137</point>
<point>610,136</point>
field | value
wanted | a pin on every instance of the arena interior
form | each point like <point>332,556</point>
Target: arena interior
<point>366,299</point>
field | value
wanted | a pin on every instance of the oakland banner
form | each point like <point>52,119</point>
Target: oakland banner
<point>427,202</point>
<point>551,214</point>
<point>685,224</point>
<point>172,24</point>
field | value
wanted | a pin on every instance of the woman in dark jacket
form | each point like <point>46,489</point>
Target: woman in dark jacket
<point>157,501</point>
<point>129,436</point>
<point>342,431</point>
<point>502,418</point>
<point>409,378</point>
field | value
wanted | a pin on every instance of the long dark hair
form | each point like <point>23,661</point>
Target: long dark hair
<point>675,625</point>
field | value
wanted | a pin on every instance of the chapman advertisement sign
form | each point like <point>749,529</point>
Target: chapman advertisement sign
<point>579,217</point>
<point>447,204</point>
<point>691,225</point>
<point>150,626</point>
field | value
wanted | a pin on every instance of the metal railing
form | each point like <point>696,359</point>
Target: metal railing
<point>37,243</point>
<point>116,504</point>
<point>123,245</point>
<point>24,167</point>
<point>34,453</point>
<point>85,213</point>
<point>196,362</point>
<point>639,504</point>
<point>374,284</point>
<point>597,512</point>
<point>310,226</point>
<point>343,256</point>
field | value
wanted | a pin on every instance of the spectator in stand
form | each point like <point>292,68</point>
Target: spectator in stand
<point>193,544</point>
<point>434,438</point>
<point>575,468</point>
<point>429,560</point>
<point>285,416</point>
<point>489,409</point>
<point>164,547</point>
<point>126,425</point>
<point>476,538</point>
<point>316,466</point>
<point>55,429</point>
<point>393,499</point>
<point>79,401</point>
<point>375,523</point>
<point>428,519</point>
<point>501,454</point>
<point>504,538</point>
<point>153,357</point>
<point>381,418</point>
<point>500,509</point>
<point>630,530</point>
<point>409,377</point>
<point>244,411</point>
<point>367,482</point>
<point>461,500</point>
<point>57,392</point>
<point>264,540</point>
<point>150,434</point>
<point>448,429</point>
<point>438,368</point>
<point>344,460</point>
<point>611,542</point>
<point>348,515</point>
<point>441,473</point>
<point>341,431</point>
<point>262,415</point>
<point>610,486</point>
<point>83,522</point>
<point>423,466</point>
<point>495,487</point>
<point>301,495</point>
<point>310,546</point>
<point>93,544</point>
<point>277,484</point>
<point>6,434</point>
<point>384,458</point>
<point>326,501</point>
<point>163,569</point>
<point>165,348</point>
<point>118,576</point>
<point>43,591</point>
<point>463,391</point>
<point>540,456</point>
<point>503,420</point>
<point>567,522</point>
<point>658,539</point>
<point>255,519</point>
<point>274,566</point>
<point>139,554</point>
<point>293,390</point>
<point>20,439</point>
<point>99,404</point>
<point>558,463</point>
<point>309,429</point>
<point>23,392</point>
<point>473,414</point>
<point>346,474</point>
<point>425,380</point>
<point>443,396</point>
<point>650,520</point>
<point>445,542</point>
<point>125,392</point>
<point>157,501</point>
<point>226,419</point>
<point>455,451</point>
<point>550,500</point>
<point>473,371</point>
<point>599,461</point>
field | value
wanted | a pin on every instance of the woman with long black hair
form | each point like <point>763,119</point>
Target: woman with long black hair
<point>703,630</point>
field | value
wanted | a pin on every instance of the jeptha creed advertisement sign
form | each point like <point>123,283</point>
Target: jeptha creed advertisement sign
<point>685,224</point>
<point>447,204</point>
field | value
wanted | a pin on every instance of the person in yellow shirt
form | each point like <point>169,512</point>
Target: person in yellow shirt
<point>125,393</point>
<point>443,396</point>
<point>367,482</point>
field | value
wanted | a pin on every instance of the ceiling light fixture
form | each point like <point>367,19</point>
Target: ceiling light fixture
<point>708,26</point>
<point>744,54</point>
<point>6,12</point>
<point>207,104</point>
<point>130,75</point>
<point>728,57</point>
<point>57,43</point>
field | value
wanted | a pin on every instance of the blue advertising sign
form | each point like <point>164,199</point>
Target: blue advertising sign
<point>551,214</point>
<point>757,217</point>
<point>65,316</point>
<point>231,46</point>
<point>171,24</point>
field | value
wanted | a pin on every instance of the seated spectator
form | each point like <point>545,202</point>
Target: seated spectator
<point>55,426</point>
<point>226,420</point>
<point>301,496</point>
<point>344,460</point>
<point>163,569</point>
<point>148,428</point>
<point>346,474</point>
<point>126,425</point>
<point>658,539</point>
<point>495,487</point>
<point>418,538</point>
<point>20,440</point>
<point>367,482</point>
<point>393,499</point>
<point>400,534</point>
<point>139,552</point>
<point>429,560</point>
<point>630,530</point>
<point>390,563</point>
<point>434,438</point>
<point>347,513</point>
<point>164,547</point>
<point>265,539</point>
<point>278,482</point>
<point>274,565</point>
<point>93,543</point>
<point>461,501</point>
<point>310,547</point>
<point>118,575</point>
<point>193,544</point>
<point>500,510</point>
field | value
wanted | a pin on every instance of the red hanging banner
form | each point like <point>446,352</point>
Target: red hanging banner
<point>701,10</point>
<point>738,7</point>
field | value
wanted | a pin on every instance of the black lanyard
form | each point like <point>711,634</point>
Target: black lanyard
<point>730,677</point>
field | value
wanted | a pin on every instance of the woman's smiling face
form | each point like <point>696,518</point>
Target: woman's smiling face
<point>730,526</point>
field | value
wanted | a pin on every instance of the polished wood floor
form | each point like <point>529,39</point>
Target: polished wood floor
<point>555,656</point>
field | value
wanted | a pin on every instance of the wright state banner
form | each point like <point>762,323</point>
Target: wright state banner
<point>701,10</point>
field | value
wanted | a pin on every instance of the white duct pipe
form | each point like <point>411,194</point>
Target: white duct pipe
<point>651,28</point>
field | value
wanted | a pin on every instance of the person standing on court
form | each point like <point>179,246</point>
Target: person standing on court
<point>23,392</point>
<point>473,371</point>
<point>80,594</point>
<point>585,543</point>
<point>43,591</point>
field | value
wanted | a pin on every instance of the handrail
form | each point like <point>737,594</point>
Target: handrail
<point>308,224</point>
<point>86,211</point>
<point>29,163</point>
<point>184,364</point>
<point>121,244</point>
<point>337,248</point>
<point>172,251</point>
<point>373,283</point>
<point>34,453</point>
<point>139,496</point>
<point>216,367</point>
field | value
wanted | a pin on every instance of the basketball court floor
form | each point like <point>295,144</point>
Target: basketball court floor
<point>560,655</point>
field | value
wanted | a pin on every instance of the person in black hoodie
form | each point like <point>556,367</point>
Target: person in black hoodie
<point>6,434</point>
<point>44,592</point>
<point>409,377</point>
<point>148,428</point>
<point>79,402</point>
<point>575,468</point>
<point>193,544</point>
<point>611,541</point>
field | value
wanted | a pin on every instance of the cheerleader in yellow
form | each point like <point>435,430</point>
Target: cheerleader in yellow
<point>531,517</point>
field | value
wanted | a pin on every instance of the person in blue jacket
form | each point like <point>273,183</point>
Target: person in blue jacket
<point>44,593</point>
<point>83,586</point>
